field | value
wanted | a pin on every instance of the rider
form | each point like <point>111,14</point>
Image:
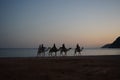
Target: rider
<point>39,49</point>
<point>43,48</point>
<point>77,46</point>
<point>54,47</point>
<point>63,46</point>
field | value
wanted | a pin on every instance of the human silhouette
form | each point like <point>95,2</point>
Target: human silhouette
<point>78,46</point>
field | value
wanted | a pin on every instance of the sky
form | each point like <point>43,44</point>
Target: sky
<point>28,23</point>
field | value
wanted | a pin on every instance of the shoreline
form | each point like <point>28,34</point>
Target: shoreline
<point>68,57</point>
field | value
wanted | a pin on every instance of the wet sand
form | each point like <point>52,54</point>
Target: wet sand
<point>61,68</point>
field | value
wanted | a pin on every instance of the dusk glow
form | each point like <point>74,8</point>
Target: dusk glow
<point>28,23</point>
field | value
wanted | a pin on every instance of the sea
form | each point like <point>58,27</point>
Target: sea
<point>32,52</point>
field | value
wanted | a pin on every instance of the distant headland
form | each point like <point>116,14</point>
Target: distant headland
<point>115,44</point>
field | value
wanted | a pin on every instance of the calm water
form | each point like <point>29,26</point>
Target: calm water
<point>32,52</point>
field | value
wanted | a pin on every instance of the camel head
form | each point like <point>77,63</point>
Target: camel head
<point>82,48</point>
<point>49,47</point>
<point>69,48</point>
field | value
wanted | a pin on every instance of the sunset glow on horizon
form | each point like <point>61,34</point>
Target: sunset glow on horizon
<point>28,23</point>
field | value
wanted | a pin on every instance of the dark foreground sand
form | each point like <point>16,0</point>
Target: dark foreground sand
<point>61,68</point>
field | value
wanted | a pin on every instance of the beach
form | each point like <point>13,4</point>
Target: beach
<point>61,68</point>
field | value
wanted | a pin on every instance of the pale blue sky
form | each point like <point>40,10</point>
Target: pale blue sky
<point>28,23</point>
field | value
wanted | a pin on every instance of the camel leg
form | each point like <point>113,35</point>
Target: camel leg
<point>79,53</point>
<point>55,54</point>
<point>75,53</point>
<point>51,53</point>
<point>60,53</point>
<point>40,54</point>
<point>65,53</point>
<point>37,53</point>
<point>44,54</point>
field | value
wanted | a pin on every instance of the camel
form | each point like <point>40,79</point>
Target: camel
<point>64,49</point>
<point>78,49</point>
<point>42,49</point>
<point>53,50</point>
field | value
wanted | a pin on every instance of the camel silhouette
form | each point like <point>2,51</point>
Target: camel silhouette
<point>64,49</point>
<point>78,49</point>
<point>53,50</point>
<point>41,50</point>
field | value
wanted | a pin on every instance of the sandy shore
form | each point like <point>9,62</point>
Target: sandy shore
<point>61,68</point>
